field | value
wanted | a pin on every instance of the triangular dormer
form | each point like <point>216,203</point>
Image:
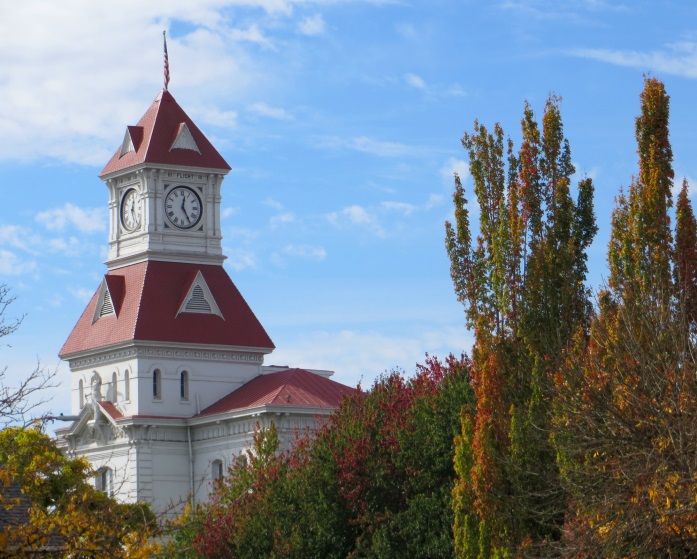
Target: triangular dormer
<point>199,299</point>
<point>184,139</point>
<point>131,140</point>
<point>109,298</point>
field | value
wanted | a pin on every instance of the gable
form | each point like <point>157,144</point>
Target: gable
<point>184,139</point>
<point>199,299</point>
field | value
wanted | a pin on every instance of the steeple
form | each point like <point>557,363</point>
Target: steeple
<point>164,182</point>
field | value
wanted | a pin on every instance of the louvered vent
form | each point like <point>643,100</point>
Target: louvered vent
<point>107,305</point>
<point>197,302</point>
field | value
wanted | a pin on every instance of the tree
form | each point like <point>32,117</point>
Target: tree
<point>375,481</point>
<point>18,403</point>
<point>64,512</point>
<point>522,284</point>
<point>626,408</point>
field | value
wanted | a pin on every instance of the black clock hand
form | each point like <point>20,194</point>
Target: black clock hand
<point>184,209</point>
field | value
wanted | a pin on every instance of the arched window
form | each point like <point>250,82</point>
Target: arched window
<point>81,393</point>
<point>184,385</point>
<point>217,469</point>
<point>127,385</point>
<point>104,481</point>
<point>114,388</point>
<point>157,384</point>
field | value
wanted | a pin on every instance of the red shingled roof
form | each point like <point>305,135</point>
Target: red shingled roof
<point>111,409</point>
<point>151,293</point>
<point>153,138</point>
<point>292,388</point>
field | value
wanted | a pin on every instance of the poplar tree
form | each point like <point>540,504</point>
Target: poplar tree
<point>522,283</point>
<point>626,414</point>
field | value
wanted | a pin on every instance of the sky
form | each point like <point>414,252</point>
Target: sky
<point>341,121</point>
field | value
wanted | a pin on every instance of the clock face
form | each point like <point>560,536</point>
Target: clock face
<point>183,207</point>
<point>130,210</point>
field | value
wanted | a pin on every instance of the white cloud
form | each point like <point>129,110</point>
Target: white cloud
<point>312,25</point>
<point>70,246</point>
<point>307,252</point>
<point>356,215</point>
<point>215,117</point>
<point>402,207</point>
<point>357,356</point>
<point>372,146</point>
<point>19,237</point>
<point>452,166</point>
<point>275,204</point>
<point>11,265</point>
<point>87,220</point>
<point>239,259</point>
<point>263,109</point>
<point>282,219</point>
<point>415,81</point>
<point>82,294</point>
<point>228,212</point>
<point>677,58</point>
<point>434,200</point>
<point>252,34</point>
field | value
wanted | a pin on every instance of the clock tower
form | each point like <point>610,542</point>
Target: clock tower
<point>164,191</point>
<point>168,379</point>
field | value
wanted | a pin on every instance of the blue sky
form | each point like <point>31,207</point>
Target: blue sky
<point>342,122</point>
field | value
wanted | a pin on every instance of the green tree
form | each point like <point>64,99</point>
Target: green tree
<point>625,415</point>
<point>522,284</point>
<point>375,481</point>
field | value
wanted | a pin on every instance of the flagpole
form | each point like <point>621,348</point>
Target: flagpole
<point>164,36</point>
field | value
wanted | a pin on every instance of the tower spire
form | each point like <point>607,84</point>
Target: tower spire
<point>164,35</point>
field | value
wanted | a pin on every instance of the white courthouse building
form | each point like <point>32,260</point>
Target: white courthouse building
<point>167,360</point>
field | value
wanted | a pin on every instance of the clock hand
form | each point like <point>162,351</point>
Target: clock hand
<point>184,209</point>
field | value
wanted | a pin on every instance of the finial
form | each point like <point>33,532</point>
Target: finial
<point>164,35</point>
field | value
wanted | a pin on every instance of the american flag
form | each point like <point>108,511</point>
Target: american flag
<point>164,34</point>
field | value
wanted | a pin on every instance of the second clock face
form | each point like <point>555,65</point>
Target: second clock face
<point>130,210</point>
<point>183,207</point>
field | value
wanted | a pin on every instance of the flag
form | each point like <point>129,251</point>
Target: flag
<point>164,34</point>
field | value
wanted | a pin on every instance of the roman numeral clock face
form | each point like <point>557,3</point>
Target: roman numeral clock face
<point>183,207</point>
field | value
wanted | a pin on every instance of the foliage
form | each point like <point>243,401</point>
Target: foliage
<point>374,481</point>
<point>626,406</point>
<point>66,514</point>
<point>522,285</point>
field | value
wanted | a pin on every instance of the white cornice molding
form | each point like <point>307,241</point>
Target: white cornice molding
<point>163,167</point>
<point>173,350</point>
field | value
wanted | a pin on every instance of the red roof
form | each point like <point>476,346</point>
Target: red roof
<point>292,388</point>
<point>154,135</point>
<point>147,297</point>
<point>111,409</point>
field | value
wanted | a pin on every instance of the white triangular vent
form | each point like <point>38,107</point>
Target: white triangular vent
<point>199,299</point>
<point>184,139</point>
<point>105,303</point>
<point>127,144</point>
<point>197,302</point>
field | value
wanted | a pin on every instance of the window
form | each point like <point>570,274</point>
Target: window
<point>104,481</point>
<point>81,393</point>
<point>217,469</point>
<point>157,384</point>
<point>114,388</point>
<point>127,385</point>
<point>184,385</point>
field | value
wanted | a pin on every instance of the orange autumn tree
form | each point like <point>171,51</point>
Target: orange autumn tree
<point>522,283</point>
<point>50,507</point>
<point>625,421</point>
